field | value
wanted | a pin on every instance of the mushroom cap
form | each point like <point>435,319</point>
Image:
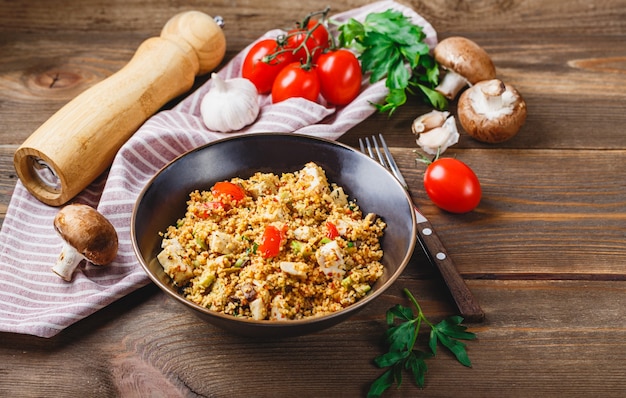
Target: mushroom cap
<point>466,58</point>
<point>496,125</point>
<point>88,231</point>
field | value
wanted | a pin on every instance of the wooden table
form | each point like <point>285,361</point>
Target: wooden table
<point>544,252</point>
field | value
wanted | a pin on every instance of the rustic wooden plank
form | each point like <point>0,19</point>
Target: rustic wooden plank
<point>555,226</point>
<point>146,342</point>
<point>523,17</point>
<point>542,70</point>
<point>143,15</point>
<point>8,177</point>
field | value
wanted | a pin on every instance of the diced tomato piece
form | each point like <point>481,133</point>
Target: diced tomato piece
<point>227,188</point>
<point>331,232</point>
<point>272,239</point>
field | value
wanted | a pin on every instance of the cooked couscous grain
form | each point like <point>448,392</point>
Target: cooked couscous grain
<point>274,247</point>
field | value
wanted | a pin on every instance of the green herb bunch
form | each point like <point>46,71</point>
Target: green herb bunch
<point>402,354</point>
<point>393,47</point>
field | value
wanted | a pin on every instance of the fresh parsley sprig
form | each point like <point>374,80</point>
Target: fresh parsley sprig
<point>391,46</point>
<point>402,354</point>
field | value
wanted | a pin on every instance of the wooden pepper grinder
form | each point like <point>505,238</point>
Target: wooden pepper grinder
<point>78,143</point>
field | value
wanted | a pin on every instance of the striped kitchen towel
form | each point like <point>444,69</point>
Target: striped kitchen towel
<point>35,301</point>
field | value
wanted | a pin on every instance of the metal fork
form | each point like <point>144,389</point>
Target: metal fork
<point>436,252</point>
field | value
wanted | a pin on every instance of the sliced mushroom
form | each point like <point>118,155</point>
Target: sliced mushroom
<point>465,63</point>
<point>491,111</point>
<point>87,234</point>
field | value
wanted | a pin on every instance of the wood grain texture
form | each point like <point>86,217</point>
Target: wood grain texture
<point>569,223</point>
<point>146,345</point>
<point>544,253</point>
<point>551,69</point>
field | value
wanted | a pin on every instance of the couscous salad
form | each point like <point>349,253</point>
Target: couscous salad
<point>274,247</point>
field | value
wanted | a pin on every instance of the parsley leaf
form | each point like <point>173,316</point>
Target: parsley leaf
<point>400,337</point>
<point>391,47</point>
<point>381,384</point>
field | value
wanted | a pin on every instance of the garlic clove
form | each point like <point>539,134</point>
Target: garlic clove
<point>229,105</point>
<point>429,121</point>
<point>436,131</point>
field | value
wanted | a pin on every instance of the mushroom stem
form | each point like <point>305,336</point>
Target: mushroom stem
<point>491,111</point>
<point>67,262</point>
<point>492,100</point>
<point>451,84</point>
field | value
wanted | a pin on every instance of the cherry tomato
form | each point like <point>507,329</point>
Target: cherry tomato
<point>262,74</point>
<point>331,230</point>
<point>227,188</point>
<point>296,81</point>
<point>315,44</point>
<point>452,185</point>
<point>270,245</point>
<point>340,76</point>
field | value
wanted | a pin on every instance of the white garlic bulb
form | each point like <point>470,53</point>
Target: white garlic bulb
<point>229,105</point>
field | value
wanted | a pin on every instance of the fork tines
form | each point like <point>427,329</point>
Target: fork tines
<point>384,158</point>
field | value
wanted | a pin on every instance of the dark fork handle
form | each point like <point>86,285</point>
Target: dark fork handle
<point>466,303</point>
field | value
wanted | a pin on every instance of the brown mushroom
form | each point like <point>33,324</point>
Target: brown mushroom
<point>464,62</point>
<point>491,111</point>
<point>87,234</point>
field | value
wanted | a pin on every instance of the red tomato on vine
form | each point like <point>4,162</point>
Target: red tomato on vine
<point>296,80</point>
<point>261,73</point>
<point>340,76</point>
<point>315,38</point>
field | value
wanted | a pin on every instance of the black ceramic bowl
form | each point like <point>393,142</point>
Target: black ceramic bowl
<point>163,201</point>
